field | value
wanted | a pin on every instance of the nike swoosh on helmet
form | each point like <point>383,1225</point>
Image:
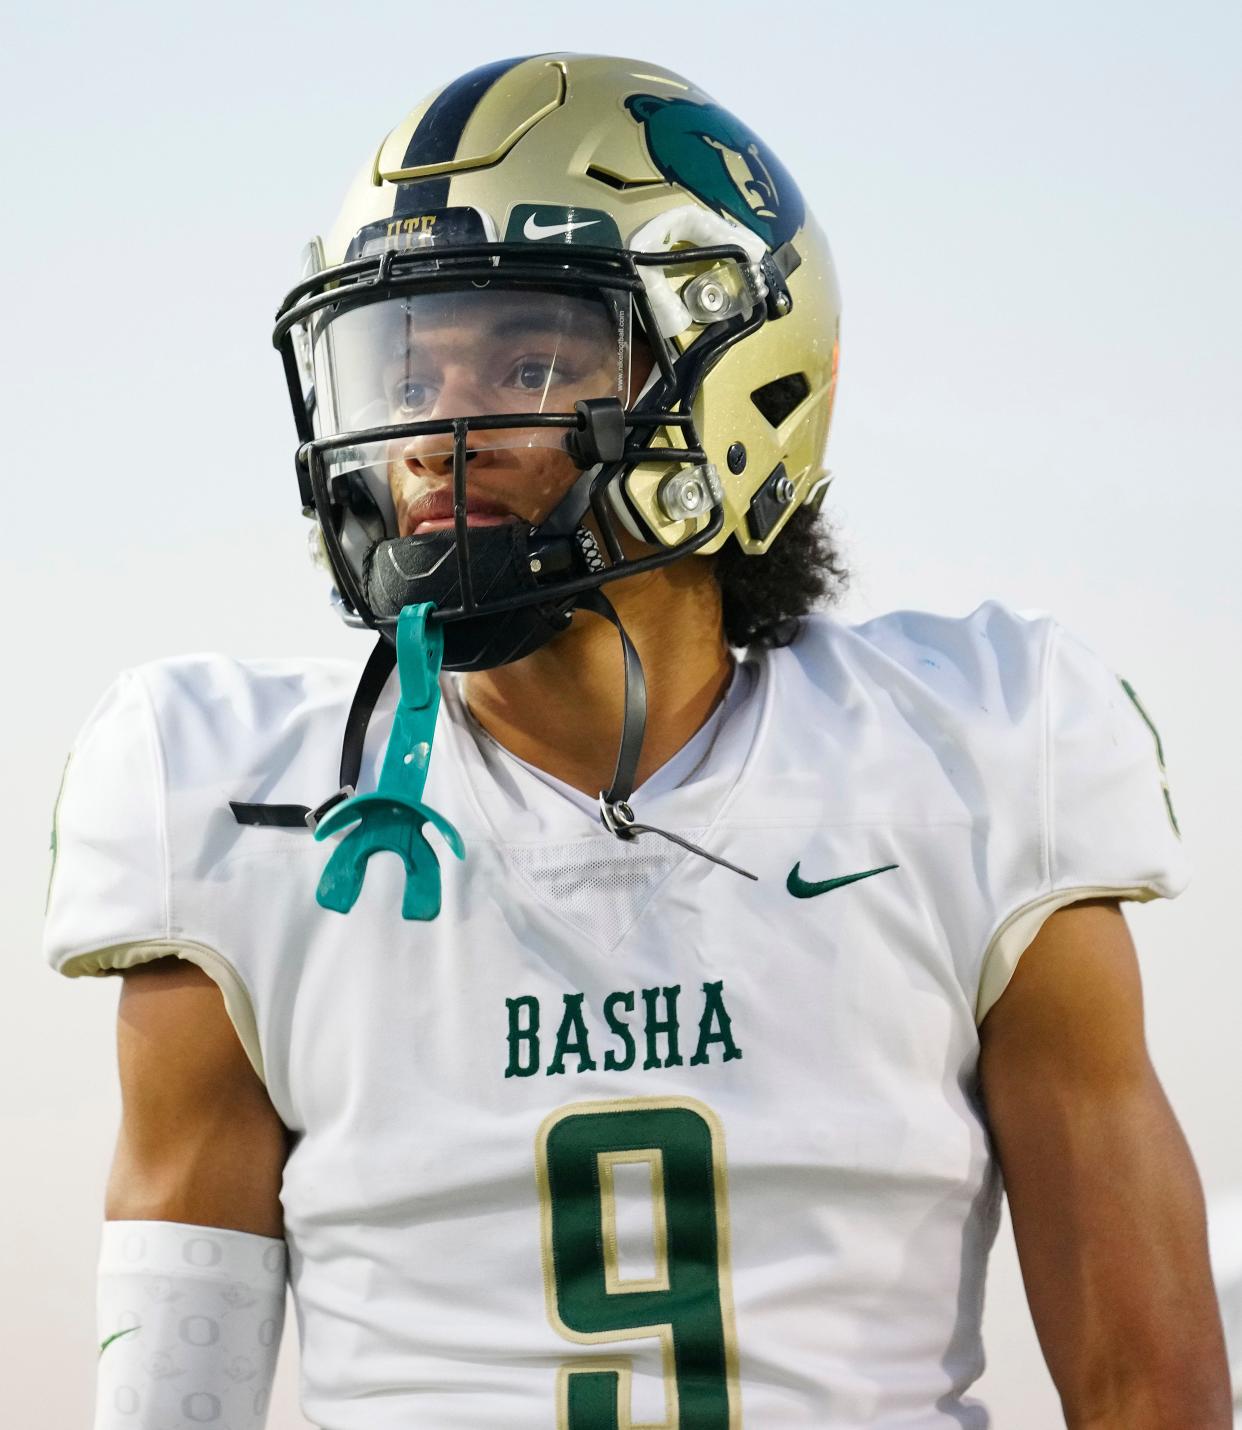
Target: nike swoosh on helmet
<point>534,230</point>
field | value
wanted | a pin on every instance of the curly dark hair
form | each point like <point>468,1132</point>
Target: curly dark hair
<point>765,597</point>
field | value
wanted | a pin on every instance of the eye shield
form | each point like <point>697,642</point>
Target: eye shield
<point>482,350</point>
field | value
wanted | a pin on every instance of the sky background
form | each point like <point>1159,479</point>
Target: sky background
<point>1036,213</point>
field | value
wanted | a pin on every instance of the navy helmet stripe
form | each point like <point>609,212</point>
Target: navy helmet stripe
<point>438,133</point>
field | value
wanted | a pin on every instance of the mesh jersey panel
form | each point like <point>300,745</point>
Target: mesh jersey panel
<point>602,885</point>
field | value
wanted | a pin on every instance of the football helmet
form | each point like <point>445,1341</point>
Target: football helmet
<point>563,214</point>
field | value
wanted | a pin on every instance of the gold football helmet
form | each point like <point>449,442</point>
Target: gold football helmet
<point>582,271</point>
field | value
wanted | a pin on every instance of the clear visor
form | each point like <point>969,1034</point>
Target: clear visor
<point>485,351</point>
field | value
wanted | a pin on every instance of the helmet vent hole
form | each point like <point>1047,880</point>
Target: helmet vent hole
<point>616,181</point>
<point>778,398</point>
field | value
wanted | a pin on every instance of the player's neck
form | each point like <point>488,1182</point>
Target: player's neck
<point>560,708</point>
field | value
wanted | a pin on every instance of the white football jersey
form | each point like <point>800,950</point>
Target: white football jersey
<point>623,1139</point>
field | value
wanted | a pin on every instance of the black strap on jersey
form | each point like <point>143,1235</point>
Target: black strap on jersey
<point>633,718</point>
<point>614,808</point>
<point>375,675</point>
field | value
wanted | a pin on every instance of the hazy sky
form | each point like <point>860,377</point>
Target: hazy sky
<point>1037,219</point>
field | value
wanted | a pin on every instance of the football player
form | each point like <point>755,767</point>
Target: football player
<point>719,956</point>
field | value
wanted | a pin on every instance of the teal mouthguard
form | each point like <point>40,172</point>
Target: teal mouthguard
<point>393,817</point>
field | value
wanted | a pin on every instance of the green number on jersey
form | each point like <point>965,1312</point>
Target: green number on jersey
<point>687,1303</point>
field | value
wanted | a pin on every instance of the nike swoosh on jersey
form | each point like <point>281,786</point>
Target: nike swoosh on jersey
<point>801,888</point>
<point>116,1336</point>
<point>534,230</point>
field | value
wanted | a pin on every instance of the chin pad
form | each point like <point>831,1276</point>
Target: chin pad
<point>412,570</point>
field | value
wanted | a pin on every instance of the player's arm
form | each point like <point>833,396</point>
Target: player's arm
<point>199,1141</point>
<point>1107,1209</point>
<point>192,1252</point>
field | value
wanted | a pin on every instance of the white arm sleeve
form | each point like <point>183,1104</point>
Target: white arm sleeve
<point>190,1320</point>
<point>1105,825</point>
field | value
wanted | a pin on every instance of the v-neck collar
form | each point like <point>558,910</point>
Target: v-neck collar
<point>580,874</point>
<point>518,807</point>
<point>673,772</point>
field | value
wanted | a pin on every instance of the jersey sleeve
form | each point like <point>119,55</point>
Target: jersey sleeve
<point>108,881</point>
<point>1107,827</point>
<point>109,894</point>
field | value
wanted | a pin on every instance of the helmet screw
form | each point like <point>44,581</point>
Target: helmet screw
<point>785,490</point>
<point>712,297</point>
<point>536,565</point>
<point>783,303</point>
<point>736,458</point>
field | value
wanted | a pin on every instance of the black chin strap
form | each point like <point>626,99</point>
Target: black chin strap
<point>375,674</point>
<point>633,720</point>
<point>614,808</point>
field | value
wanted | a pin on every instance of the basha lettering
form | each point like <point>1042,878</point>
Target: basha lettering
<point>632,1023</point>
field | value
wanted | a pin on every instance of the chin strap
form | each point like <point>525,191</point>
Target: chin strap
<point>614,808</point>
<point>392,818</point>
<point>297,816</point>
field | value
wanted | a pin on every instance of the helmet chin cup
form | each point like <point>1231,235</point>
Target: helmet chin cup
<point>410,570</point>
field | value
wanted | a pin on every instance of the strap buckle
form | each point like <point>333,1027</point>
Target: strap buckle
<point>617,817</point>
<point>313,816</point>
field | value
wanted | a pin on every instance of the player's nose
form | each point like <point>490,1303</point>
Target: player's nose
<point>433,456</point>
<point>459,395</point>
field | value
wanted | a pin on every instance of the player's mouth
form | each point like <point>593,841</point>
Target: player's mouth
<point>473,518</point>
<point>433,511</point>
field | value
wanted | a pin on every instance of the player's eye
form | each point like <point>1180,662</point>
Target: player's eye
<point>411,396</point>
<point>532,374</point>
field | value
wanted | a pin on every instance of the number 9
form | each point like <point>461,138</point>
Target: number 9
<point>688,1304</point>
